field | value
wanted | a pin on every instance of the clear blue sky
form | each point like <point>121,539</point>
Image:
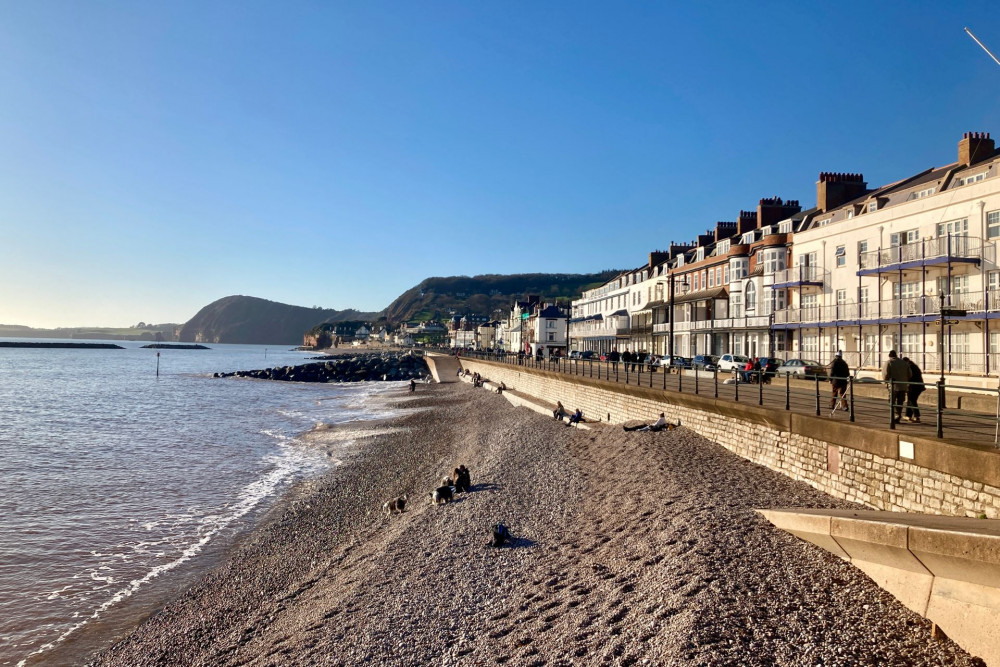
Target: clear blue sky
<point>157,156</point>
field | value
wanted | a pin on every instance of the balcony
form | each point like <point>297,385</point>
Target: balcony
<point>942,250</point>
<point>889,311</point>
<point>798,276</point>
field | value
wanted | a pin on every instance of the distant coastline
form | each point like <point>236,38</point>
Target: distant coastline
<point>174,346</point>
<point>92,346</point>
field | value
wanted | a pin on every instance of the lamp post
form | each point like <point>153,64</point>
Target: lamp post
<point>670,315</point>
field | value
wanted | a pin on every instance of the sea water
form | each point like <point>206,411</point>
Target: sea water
<point>116,482</point>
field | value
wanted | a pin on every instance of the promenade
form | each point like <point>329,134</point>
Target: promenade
<point>867,402</point>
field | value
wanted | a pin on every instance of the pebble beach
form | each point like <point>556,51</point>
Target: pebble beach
<point>631,548</point>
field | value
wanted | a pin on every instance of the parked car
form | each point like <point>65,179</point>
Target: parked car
<point>802,368</point>
<point>706,362</point>
<point>770,365</point>
<point>585,354</point>
<point>676,361</point>
<point>728,362</point>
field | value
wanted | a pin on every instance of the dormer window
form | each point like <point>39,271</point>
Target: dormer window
<point>700,255</point>
<point>765,231</point>
<point>824,222</point>
<point>974,178</point>
<point>723,247</point>
<point>850,213</point>
<point>872,206</point>
<point>747,238</point>
<point>926,192</point>
<point>785,227</point>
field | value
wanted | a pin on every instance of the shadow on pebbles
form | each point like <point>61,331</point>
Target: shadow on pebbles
<point>633,548</point>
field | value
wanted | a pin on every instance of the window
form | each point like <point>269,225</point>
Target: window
<point>723,247</point>
<point>810,344</point>
<point>736,305</point>
<point>953,228</point>
<point>711,278</point>
<point>552,336</point>
<point>704,281</point>
<point>695,286</point>
<point>747,238</point>
<point>780,299</point>
<point>750,294</point>
<point>739,268</point>
<point>785,227</point>
<point>774,260</point>
<point>904,238</point>
<point>993,224</point>
<point>550,324</point>
<point>975,178</point>
<point>926,192</point>
<point>906,290</point>
<point>718,276</point>
<point>862,247</point>
<point>850,213</point>
<point>725,274</point>
<point>872,206</point>
<point>956,347</point>
<point>841,255</point>
<point>824,222</point>
<point>841,297</point>
<point>911,345</point>
<point>700,255</point>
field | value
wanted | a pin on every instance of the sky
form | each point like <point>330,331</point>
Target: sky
<point>159,156</point>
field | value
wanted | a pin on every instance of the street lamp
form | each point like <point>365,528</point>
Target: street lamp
<point>670,314</point>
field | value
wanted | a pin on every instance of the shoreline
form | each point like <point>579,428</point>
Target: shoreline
<point>98,634</point>
<point>630,546</point>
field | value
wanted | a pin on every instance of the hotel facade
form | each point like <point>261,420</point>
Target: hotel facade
<point>865,271</point>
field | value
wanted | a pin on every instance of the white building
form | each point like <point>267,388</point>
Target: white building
<point>872,266</point>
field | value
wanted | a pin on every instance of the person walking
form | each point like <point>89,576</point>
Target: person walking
<point>839,373</point>
<point>897,372</point>
<point>913,391</point>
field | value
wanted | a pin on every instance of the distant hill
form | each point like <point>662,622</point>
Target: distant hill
<point>437,298</point>
<point>142,331</point>
<point>249,320</point>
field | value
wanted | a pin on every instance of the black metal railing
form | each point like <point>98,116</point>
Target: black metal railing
<point>896,403</point>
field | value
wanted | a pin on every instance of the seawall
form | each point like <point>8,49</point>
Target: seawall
<point>877,468</point>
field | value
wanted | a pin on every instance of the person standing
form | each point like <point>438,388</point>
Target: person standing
<point>897,372</point>
<point>839,372</point>
<point>913,391</point>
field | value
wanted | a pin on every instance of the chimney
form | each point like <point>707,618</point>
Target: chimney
<point>974,147</point>
<point>706,239</point>
<point>771,210</point>
<point>723,230</point>
<point>678,249</point>
<point>747,222</point>
<point>835,189</point>
<point>658,257</point>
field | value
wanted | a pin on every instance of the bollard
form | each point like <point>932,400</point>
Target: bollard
<point>680,379</point>
<point>760,387</point>
<point>892,396</point>
<point>737,391</point>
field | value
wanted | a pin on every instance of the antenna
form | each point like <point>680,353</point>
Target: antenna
<point>983,46</point>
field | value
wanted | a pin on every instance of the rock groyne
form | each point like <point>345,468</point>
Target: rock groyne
<point>355,368</point>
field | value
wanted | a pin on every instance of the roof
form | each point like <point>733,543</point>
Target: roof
<point>618,313</point>
<point>551,311</point>
<point>702,295</point>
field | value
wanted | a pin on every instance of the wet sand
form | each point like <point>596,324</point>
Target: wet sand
<point>633,548</point>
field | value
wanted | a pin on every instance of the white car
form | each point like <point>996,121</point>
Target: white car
<point>729,362</point>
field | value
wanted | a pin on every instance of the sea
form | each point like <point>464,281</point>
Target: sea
<point>126,474</point>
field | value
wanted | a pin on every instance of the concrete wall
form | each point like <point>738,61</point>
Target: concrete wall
<point>874,467</point>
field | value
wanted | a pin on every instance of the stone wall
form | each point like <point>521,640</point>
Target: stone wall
<point>877,468</point>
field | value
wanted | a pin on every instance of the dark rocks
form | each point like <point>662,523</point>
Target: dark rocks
<point>393,366</point>
<point>88,346</point>
<point>174,346</point>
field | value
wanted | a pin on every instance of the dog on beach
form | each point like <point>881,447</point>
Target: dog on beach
<point>441,495</point>
<point>448,481</point>
<point>501,535</point>
<point>395,506</point>
<point>463,480</point>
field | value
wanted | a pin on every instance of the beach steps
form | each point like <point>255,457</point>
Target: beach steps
<point>947,569</point>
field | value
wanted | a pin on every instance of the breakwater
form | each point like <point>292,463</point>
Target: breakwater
<point>75,346</point>
<point>375,366</point>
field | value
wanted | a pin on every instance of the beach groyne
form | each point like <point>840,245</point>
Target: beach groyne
<point>879,469</point>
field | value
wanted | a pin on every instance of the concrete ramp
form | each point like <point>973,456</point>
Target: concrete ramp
<point>443,367</point>
<point>947,569</point>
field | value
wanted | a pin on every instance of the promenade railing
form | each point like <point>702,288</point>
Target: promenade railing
<point>936,404</point>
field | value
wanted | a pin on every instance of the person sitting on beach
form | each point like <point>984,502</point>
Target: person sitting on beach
<point>659,424</point>
<point>502,388</point>
<point>576,417</point>
<point>560,412</point>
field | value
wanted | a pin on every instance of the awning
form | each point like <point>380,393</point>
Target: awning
<point>656,304</point>
<point>703,295</point>
<point>589,318</point>
<point>617,313</point>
